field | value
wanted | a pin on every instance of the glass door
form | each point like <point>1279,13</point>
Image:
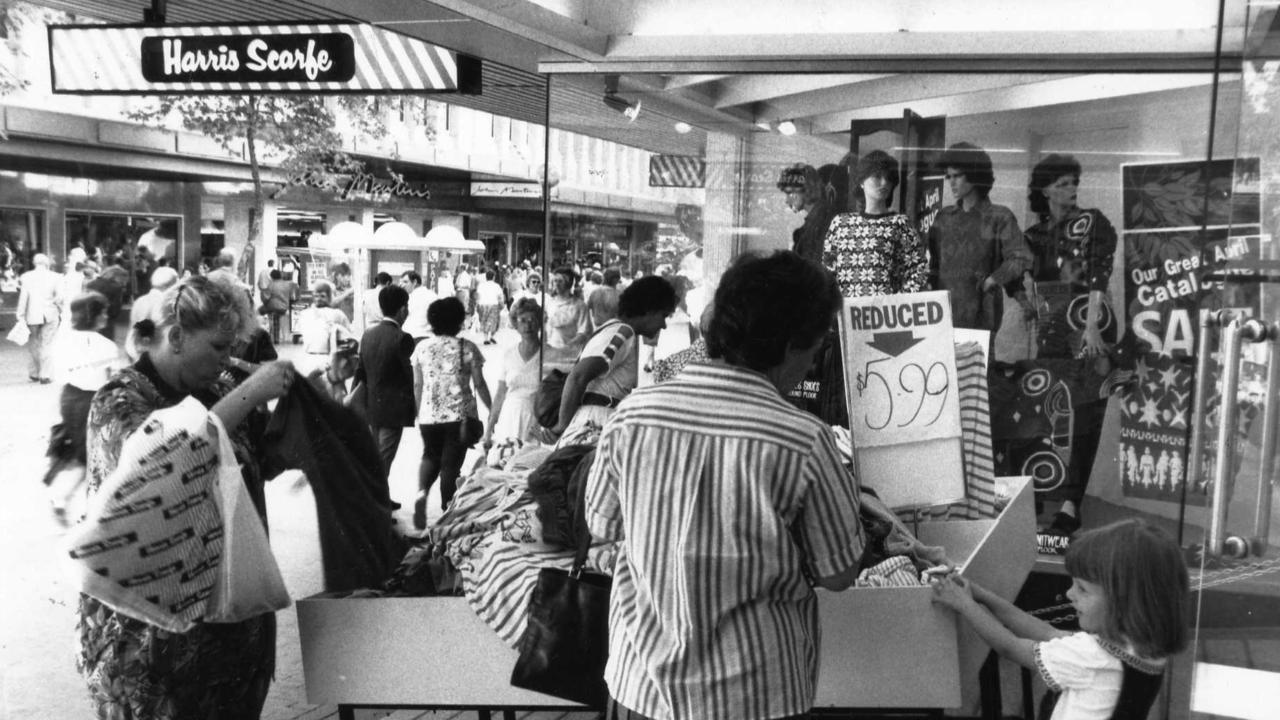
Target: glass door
<point>1236,668</point>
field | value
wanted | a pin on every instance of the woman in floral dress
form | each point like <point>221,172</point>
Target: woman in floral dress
<point>136,670</point>
<point>445,368</point>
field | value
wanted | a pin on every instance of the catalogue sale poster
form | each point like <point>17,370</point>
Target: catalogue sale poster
<point>1174,272</point>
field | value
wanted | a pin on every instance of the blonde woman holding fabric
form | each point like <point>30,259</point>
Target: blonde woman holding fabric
<point>135,669</point>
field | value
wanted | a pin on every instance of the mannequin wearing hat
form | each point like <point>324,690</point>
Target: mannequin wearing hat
<point>807,192</point>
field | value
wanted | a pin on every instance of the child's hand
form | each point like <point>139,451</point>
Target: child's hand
<point>953,591</point>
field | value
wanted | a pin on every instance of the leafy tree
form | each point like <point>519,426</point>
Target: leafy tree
<point>297,133</point>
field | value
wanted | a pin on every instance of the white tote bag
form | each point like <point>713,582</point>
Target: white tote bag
<point>248,581</point>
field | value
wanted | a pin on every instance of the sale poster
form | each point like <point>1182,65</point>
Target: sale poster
<point>1174,273</point>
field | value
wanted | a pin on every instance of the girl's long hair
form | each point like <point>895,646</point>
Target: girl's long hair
<point>1144,579</point>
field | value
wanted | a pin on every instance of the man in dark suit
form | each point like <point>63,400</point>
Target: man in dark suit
<point>384,359</point>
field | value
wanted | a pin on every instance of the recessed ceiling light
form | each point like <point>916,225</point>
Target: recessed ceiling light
<point>683,127</point>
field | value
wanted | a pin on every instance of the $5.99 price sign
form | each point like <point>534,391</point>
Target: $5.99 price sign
<point>900,368</point>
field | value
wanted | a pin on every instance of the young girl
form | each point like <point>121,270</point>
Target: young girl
<point>1130,591</point>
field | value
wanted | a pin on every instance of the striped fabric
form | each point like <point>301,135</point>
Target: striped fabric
<point>723,497</point>
<point>975,445</point>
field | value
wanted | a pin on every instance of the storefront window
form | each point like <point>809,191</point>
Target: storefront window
<point>136,243</point>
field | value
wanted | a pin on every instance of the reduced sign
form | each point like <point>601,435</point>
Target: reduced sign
<point>900,369</point>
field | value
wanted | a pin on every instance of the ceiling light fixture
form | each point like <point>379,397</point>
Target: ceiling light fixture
<point>786,127</point>
<point>683,127</point>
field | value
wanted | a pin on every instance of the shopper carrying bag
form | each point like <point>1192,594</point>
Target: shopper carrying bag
<point>566,642</point>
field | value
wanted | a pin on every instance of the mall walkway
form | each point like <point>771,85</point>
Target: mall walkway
<point>38,679</point>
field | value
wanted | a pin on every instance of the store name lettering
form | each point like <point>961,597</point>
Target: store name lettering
<point>311,61</point>
<point>312,57</point>
<point>350,187</point>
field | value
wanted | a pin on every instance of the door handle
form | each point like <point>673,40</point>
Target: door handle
<point>1267,459</point>
<point>1235,332</point>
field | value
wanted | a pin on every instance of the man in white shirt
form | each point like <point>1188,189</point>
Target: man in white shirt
<point>489,303</point>
<point>39,307</point>
<point>419,299</point>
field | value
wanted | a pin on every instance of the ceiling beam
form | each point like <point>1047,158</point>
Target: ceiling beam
<point>1118,46</point>
<point>887,90</point>
<point>748,89</point>
<point>1054,91</point>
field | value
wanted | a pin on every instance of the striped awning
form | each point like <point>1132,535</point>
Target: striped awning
<point>279,58</point>
<point>687,171</point>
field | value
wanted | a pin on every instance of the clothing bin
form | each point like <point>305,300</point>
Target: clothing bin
<point>881,647</point>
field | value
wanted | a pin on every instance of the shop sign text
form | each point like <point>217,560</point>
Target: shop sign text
<point>309,57</point>
<point>360,186</point>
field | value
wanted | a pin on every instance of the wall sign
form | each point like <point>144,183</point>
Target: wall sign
<point>280,58</point>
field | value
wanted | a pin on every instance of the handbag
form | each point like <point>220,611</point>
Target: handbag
<point>546,403</point>
<point>565,644</point>
<point>20,333</point>
<point>470,430</point>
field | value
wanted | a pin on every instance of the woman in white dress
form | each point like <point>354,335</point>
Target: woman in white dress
<point>511,415</point>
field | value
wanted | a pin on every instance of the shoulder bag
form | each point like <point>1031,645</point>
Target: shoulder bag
<point>566,643</point>
<point>471,429</point>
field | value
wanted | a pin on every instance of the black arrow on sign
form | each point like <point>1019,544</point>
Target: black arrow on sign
<point>894,343</point>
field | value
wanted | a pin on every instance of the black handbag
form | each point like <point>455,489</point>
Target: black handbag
<point>471,431</point>
<point>546,403</point>
<point>566,643</point>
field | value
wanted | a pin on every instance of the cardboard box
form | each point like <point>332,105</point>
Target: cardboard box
<point>893,648</point>
<point>881,647</point>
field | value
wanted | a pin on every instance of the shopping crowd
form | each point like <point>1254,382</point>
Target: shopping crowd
<point>728,503</point>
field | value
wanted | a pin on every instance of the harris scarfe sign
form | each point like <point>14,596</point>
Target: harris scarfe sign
<point>278,58</point>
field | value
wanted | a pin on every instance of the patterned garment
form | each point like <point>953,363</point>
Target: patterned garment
<point>875,255</point>
<point>1079,249</point>
<point>489,318</point>
<point>672,365</point>
<point>966,247</point>
<point>136,670</point>
<point>723,497</point>
<point>445,363</point>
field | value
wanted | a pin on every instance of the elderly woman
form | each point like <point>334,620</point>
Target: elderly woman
<point>568,321</point>
<point>511,415</point>
<point>135,669</point>
<point>876,251</point>
<point>445,367</point>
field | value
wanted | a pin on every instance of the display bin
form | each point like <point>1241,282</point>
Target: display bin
<point>881,647</point>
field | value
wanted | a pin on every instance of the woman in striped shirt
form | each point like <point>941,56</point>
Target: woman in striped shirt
<point>729,505</point>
